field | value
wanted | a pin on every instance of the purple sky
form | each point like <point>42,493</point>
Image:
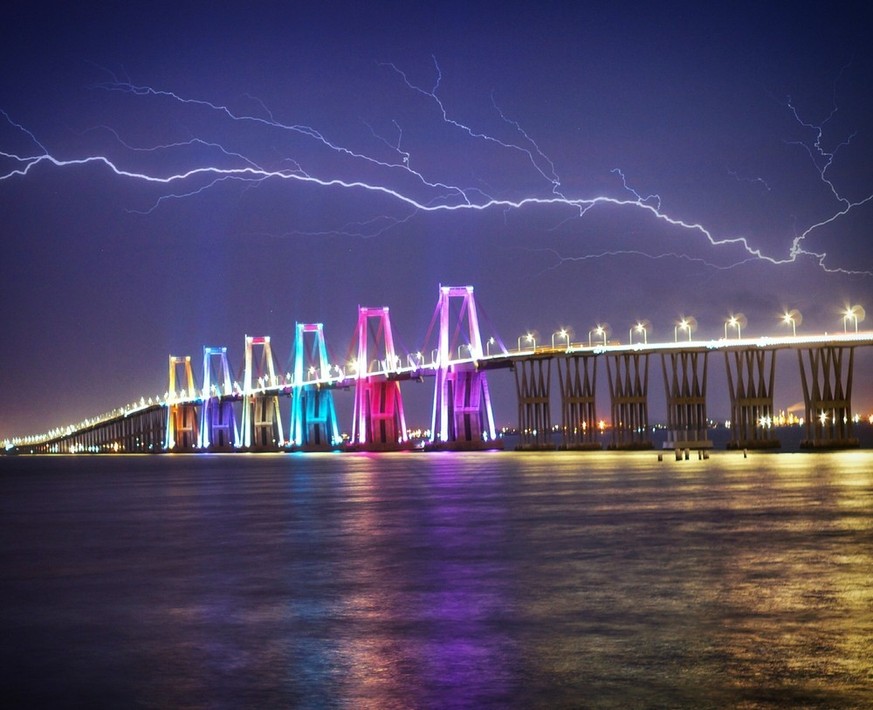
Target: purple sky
<point>748,122</point>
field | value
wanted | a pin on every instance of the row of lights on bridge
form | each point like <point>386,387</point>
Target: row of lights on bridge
<point>686,325</point>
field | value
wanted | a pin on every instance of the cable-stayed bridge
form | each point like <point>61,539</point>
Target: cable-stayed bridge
<point>223,414</point>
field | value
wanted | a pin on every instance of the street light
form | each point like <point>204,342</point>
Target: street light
<point>599,330</point>
<point>791,318</point>
<point>735,321</point>
<point>855,313</point>
<point>488,344</point>
<point>528,337</point>
<point>561,334</point>
<point>683,324</point>
<point>640,327</point>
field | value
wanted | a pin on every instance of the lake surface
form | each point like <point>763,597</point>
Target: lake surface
<point>412,580</point>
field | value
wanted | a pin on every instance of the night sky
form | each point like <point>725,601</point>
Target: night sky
<point>557,156</point>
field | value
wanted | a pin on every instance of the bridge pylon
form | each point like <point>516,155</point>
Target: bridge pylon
<point>629,400</point>
<point>827,396</point>
<point>533,377</point>
<point>577,375</point>
<point>751,374</point>
<point>261,426</point>
<point>218,426</point>
<point>181,431</point>
<point>685,386</point>
<point>313,416</point>
<point>378,422</point>
<point>462,416</point>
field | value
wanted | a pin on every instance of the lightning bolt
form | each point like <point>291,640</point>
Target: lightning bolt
<point>409,187</point>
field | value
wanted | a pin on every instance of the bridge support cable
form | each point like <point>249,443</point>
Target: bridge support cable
<point>218,423</point>
<point>462,417</point>
<point>577,376</point>
<point>378,423</point>
<point>182,428</point>
<point>751,375</point>
<point>532,384</point>
<point>826,376</point>
<point>313,415</point>
<point>261,426</point>
<point>685,386</point>
<point>628,375</point>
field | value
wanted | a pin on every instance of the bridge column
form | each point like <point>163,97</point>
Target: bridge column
<point>532,383</point>
<point>462,416</point>
<point>629,400</point>
<point>313,416</point>
<point>577,375</point>
<point>378,423</point>
<point>181,414</point>
<point>827,396</point>
<point>218,427</point>
<point>751,375</point>
<point>685,386</point>
<point>261,427</point>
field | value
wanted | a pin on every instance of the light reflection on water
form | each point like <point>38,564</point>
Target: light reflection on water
<point>438,580</point>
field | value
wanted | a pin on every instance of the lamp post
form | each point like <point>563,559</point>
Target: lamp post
<point>528,337</point>
<point>599,330</point>
<point>561,334</point>
<point>855,313</point>
<point>488,345</point>
<point>640,327</point>
<point>733,322</point>
<point>684,324</point>
<point>789,318</point>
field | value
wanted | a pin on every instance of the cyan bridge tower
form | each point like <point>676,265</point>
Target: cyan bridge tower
<point>379,422</point>
<point>462,416</point>
<point>313,416</point>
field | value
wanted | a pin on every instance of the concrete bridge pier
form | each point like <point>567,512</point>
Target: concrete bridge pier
<point>628,375</point>
<point>532,382</point>
<point>685,386</point>
<point>826,376</point>
<point>751,376</point>
<point>577,375</point>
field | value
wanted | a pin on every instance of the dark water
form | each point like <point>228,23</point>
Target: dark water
<point>437,580</point>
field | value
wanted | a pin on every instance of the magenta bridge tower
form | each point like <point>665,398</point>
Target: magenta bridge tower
<point>462,416</point>
<point>378,423</point>
<point>313,416</point>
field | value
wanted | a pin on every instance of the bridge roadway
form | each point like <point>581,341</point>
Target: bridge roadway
<point>826,368</point>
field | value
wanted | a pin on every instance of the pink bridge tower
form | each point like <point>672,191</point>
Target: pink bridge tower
<point>462,416</point>
<point>378,423</point>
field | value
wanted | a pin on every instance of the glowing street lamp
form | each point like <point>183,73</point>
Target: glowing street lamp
<point>599,331</point>
<point>640,327</point>
<point>488,344</point>
<point>855,313</point>
<point>528,338</point>
<point>791,318</point>
<point>684,324</point>
<point>561,334</point>
<point>733,322</point>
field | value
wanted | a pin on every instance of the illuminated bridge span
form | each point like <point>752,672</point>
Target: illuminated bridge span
<point>223,415</point>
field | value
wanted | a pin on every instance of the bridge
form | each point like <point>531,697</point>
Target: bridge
<point>222,414</point>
